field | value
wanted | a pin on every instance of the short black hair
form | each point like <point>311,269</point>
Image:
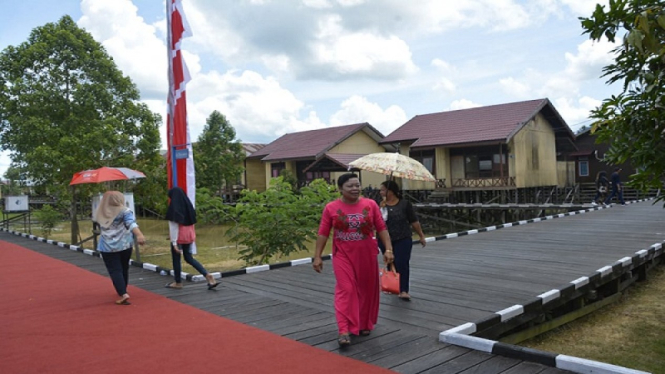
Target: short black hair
<point>391,185</point>
<point>344,178</point>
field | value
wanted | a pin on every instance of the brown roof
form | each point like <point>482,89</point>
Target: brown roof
<point>494,123</point>
<point>250,148</point>
<point>311,144</point>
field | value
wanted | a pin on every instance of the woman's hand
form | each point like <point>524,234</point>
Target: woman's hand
<point>423,242</point>
<point>388,256</point>
<point>317,264</point>
<point>140,239</point>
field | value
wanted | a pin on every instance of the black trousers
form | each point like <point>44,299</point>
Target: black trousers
<point>117,264</point>
<point>402,252</point>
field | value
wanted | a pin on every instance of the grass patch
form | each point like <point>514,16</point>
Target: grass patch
<point>214,250</point>
<point>629,333</point>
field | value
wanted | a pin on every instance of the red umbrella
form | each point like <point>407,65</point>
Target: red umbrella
<point>105,174</point>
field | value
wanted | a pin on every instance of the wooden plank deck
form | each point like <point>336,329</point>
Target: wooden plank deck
<point>454,281</point>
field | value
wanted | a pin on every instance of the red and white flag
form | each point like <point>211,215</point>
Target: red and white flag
<point>177,129</point>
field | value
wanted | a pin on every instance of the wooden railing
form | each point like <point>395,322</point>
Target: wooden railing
<point>484,182</point>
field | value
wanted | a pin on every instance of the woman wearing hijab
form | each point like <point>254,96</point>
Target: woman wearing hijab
<point>118,227</point>
<point>182,217</point>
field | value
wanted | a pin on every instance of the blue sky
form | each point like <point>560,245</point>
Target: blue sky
<point>280,66</point>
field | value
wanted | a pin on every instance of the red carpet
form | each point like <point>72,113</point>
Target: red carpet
<point>58,318</point>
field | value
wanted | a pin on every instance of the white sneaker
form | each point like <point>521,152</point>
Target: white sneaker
<point>593,203</point>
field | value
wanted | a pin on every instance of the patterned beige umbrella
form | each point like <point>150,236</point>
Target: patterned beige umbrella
<point>395,165</point>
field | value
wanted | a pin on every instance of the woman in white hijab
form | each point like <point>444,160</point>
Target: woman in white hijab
<point>118,225</point>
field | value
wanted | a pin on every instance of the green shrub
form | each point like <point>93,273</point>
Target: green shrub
<point>48,218</point>
<point>278,220</point>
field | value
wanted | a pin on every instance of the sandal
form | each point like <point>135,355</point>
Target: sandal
<point>344,340</point>
<point>405,296</point>
<point>174,285</point>
<point>365,332</point>
<point>123,301</point>
<point>211,279</point>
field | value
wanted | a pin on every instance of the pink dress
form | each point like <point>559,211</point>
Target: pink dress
<point>354,262</point>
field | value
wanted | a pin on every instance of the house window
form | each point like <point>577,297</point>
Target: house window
<point>276,168</point>
<point>424,157</point>
<point>584,168</point>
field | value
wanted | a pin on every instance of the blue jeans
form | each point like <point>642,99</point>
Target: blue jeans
<point>177,267</point>
<point>117,264</point>
<point>614,192</point>
<point>402,252</point>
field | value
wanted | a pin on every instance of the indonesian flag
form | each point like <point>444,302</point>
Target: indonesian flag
<point>177,128</point>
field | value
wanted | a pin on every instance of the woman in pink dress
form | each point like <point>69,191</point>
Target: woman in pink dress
<point>354,220</point>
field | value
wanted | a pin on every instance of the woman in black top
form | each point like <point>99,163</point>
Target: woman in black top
<point>400,218</point>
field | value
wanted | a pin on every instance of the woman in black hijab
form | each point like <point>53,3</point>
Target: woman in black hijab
<point>182,217</point>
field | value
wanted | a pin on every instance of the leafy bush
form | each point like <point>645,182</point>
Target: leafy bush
<point>278,220</point>
<point>48,218</point>
<point>211,209</point>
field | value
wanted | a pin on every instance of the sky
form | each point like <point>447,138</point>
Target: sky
<point>281,66</point>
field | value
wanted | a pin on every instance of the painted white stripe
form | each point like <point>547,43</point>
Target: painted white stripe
<point>61,244</point>
<point>580,282</point>
<point>256,269</point>
<point>301,261</point>
<point>467,328</point>
<point>471,232</point>
<point>89,252</point>
<point>49,241</point>
<point>642,252</point>
<point>74,247</point>
<point>522,222</point>
<point>561,215</point>
<point>198,278</point>
<point>148,266</point>
<point>581,365</point>
<point>472,342</point>
<point>657,246</point>
<point>450,236</point>
<point>491,228</point>
<point>549,217</point>
<point>511,312</point>
<point>626,261</point>
<point>537,220</point>
<point>216,275</point>
<point>508,224</point>
<point>550,295</point>
<point>605,270</point>
<point>430,239</point>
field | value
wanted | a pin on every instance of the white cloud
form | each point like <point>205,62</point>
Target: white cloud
<point>583,8</point>
<point>358,109</point>
<point>257,107</point>
<point>591,57</point>
<point>134,45</point>
<point>576,112</point>
<point>516,88</point>
<point>345,54</point>
<point>463,104</point>
<point>317,4</point>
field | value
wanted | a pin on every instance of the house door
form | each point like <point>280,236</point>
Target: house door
<point>457,167</point>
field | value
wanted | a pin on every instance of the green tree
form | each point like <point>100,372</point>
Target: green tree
<point>65,107</point>
<point>218,156</point>
<point>279,221</point>
<point>633,122</point>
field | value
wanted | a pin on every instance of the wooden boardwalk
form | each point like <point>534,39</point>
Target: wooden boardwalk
<point>454,281</point>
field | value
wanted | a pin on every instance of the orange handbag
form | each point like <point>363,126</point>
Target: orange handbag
<point>389,280</point>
